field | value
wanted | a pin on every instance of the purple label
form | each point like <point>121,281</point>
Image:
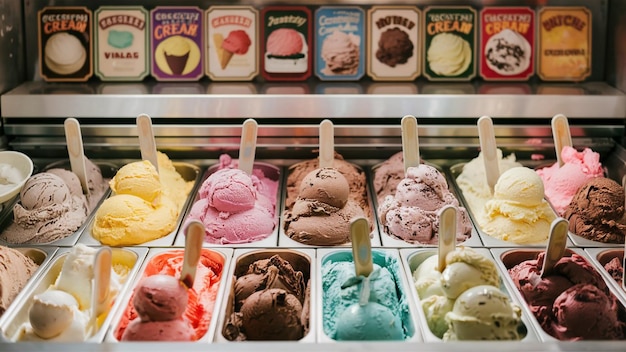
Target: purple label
<point>177,42</point>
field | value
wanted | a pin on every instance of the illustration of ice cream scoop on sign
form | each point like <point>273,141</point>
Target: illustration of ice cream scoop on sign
<point>237,42</point>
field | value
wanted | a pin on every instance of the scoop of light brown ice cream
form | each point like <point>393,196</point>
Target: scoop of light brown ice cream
<point>322,213</point>
<point>326,185</point>
<point>15,271</point>
<point>319,224</point>
<point>354,175</point>
<point>596,212</point>
<point>309,219</point>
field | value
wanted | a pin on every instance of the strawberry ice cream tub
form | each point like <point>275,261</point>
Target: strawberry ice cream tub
<point>286,43</point>
<point>232,43</point>
<point>340,43</point>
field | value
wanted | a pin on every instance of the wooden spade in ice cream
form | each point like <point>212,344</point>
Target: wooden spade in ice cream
<point>490,152</point>
<point>363,318</point>
<point>410,142</point>
<point>76,152</point>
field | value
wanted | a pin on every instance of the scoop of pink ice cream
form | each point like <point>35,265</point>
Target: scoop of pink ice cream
<point>172,330</point>
<point>247,226</point>
<point>237,42</point>
<point>284,42</point>
<point>160,298</point>
<point>561,183</point>
<point>229,190</point>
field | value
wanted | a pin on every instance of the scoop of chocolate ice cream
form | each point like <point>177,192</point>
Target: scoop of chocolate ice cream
<point>258,274</point>
<point>394,47</point>
<point>615,269</point>
<point>272,315</point>
<point>596,211</point>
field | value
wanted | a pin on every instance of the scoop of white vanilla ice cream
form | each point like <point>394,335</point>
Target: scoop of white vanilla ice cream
<point>449,54</point>
<point>52,312</point>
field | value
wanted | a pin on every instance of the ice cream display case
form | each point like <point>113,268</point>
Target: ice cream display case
<point>199,69</point>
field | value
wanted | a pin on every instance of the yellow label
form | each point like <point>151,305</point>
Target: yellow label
<point>564,43</point>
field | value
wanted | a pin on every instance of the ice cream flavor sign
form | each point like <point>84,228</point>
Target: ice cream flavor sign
<point>286,43</point>
<point>449,41</point>
<point>122,43</point>
<point>507,41</point>
<point>340,43</point>
<point>394,42</point>
<point>232,43</point>
<point>177,42</point>
<point>65,44</point>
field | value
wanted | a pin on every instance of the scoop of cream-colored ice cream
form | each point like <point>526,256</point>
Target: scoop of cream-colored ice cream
<point>465,269</point>
<point>520,184</point>
<point>449,54</point>
<point>64,53</point>
<point>483,313</point>
<point>52,312</point>
<point>518,213</point>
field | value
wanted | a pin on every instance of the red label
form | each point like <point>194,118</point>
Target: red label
<point>507,43</point>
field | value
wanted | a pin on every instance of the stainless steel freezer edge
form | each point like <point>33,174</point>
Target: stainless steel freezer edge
<point>27,101</point>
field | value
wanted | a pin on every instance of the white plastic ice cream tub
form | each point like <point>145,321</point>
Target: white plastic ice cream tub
<point>41,255</point>
<point>224,255</point>
<point>301,259</point>
<point>188,172</point>
<point>13,322</point>
<point>271,172</point>
<point>286,241</point>
<point>504,260</point>
<point>380,257</point>
<point>412,258</point>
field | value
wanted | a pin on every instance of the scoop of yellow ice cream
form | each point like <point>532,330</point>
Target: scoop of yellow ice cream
<point>174,186</point>
<point>518,212</point>
<point>146,204</point>
<point>128,220</point>
<point>176,46</point>
<point>139,179</point>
